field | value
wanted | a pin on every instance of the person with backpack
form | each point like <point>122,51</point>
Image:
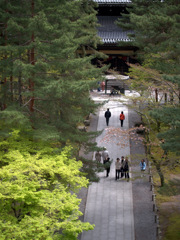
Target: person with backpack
<point>122,118</point>
<point>107,166</point>
<point>107,115</point>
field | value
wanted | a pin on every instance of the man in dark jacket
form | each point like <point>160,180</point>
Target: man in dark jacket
<point>107,115</point>
<point>107,165</point>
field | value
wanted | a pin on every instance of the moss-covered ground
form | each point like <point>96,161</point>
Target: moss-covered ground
<point>168,201</point>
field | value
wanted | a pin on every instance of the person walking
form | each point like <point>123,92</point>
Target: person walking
<point>99,87</point>
<point>126,168</point>
<point>122,167</point>
<point>117,167</point>
<point>107,165</point>
<point>107,115</point>
<point>98,156</point>
<point>105,154</point>
<point>121,118</point>
<point>102,85</point>
<point>142,166</point>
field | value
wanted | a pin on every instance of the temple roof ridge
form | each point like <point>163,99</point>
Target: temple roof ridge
<point>109,32</point>
<point>112,1</point>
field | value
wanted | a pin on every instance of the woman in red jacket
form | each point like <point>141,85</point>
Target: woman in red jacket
<point>122,117</point>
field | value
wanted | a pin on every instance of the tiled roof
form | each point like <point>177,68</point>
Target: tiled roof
<point>109,32</point>
<point>112,1</point>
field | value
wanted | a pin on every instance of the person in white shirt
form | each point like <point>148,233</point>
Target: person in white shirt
<point>118,168</point>
<point>105,154</point>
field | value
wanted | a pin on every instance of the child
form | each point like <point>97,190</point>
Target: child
<point>142,166</point>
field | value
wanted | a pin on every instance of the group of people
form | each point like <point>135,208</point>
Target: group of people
<point>107,115</point>
<point>104,155</point>
<point>106,160</point>
<point>122,168</point>
<point>121,165</point>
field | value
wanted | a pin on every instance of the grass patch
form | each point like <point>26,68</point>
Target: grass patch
<point>172,188</point>
<point>173,230</point>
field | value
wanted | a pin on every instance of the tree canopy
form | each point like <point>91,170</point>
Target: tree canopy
<point>46,74</point>
<point>38,191</point>
<point>45,79</point>
<point>156,27</point>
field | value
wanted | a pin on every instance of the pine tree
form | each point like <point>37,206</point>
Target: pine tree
<point>156,34</point>
<point>46,76</point>
<point>52,76</point>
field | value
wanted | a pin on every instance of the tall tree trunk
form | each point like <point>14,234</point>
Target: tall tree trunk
<point>159,171</point>
<point>171,97</point>
<point>155,162</point>
<point>156,95</point>
<point>11,81</point>
<point>32,61</point>
<point>11,87</point>
<point>4,105</point>
<point>19,89</point>
<point>165,98</point>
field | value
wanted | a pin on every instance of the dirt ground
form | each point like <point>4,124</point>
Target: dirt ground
<point>167,212</point>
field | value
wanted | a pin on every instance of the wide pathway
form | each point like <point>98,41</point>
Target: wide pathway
<point>109,203</point>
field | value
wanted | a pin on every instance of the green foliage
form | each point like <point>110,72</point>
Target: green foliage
<point>171,117</point>
<point>90,168</point>
<point>141,80</point>
<point>156,26</point>
<point>170,188</point>
<point>173,231</point>
<point>43,52</point>
<point>45,79</point>
<point>46,74</point>
<point>37,191</point>
<point>156,34</point>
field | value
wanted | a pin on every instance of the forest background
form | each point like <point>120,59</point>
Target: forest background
<point>45,79</point>
<point>156,27</point>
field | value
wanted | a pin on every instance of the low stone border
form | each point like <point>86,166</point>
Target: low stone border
<point>155,208</point>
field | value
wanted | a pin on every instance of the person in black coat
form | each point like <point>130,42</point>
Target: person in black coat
<point>107,165</point>
<point>107,115</point>
<point>122,167</point>
<point>126,168</point>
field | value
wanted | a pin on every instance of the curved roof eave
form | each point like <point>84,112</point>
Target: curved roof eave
<point>112,2</point>
<point>109,32</point>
